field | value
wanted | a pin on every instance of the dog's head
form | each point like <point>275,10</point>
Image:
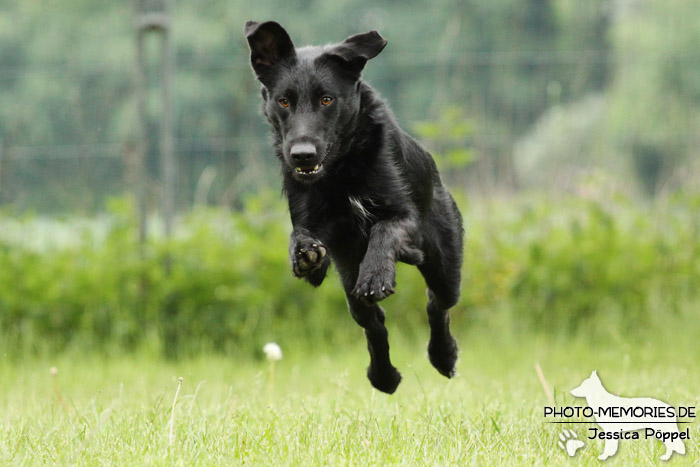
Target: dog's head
<point>311,94</point>
<point>588,387</point>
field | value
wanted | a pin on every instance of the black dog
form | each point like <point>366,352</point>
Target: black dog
<point>360,190</point>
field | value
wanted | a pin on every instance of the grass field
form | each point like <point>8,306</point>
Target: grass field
<point>320,410</point>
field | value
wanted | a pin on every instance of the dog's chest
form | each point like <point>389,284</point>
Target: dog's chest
<point>346,219</point>
<point>361,210</point>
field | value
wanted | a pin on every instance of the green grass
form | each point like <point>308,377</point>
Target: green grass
<point>320,409</point>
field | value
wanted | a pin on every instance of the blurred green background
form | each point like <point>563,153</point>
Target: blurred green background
<point>567,131</point>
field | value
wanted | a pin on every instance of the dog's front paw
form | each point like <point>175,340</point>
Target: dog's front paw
<point>307,256</point>
<point>375,284</point>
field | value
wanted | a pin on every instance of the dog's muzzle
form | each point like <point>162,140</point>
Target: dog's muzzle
<point>305,159</point>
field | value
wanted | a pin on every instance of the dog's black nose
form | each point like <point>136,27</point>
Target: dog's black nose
<point>303,153</point>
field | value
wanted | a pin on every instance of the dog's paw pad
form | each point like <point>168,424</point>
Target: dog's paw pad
<point>308,257</point>
<point>569,442</point>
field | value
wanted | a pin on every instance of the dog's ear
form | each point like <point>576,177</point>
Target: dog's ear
<point>352,54</point>
<point>270,46</point>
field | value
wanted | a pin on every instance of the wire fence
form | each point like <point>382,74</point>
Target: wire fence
<point>234,152</point>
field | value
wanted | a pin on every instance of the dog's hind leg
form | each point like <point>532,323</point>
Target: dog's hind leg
<point>442,347</point>
<point>381,373</point>
<point>442,273</point>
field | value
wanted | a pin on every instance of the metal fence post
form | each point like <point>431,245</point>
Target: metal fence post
<point>3,175</point>
<point>154,17</point>
<point>167,143</point>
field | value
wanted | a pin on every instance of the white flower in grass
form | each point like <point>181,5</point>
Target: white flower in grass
<point>273,351</point>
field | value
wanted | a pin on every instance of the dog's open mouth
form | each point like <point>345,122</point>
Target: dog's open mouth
<point>309,170</point>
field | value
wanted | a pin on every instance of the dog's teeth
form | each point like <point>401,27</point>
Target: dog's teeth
<point>315,168</point>
<point>298,169</point>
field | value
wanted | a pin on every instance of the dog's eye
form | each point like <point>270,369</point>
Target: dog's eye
<point>326,100</point>
<point>284,102</point>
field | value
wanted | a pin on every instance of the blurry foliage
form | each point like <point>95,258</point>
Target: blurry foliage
<point>655,96</point>
<point>448,140</point>
<point>559,267</point>
<point>618,79</point>
<point>67,101</point>
<point>67,74</point>
<point>643,124</point>
<point>563,144</point>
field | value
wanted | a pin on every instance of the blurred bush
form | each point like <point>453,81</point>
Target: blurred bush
<point>558,266</point>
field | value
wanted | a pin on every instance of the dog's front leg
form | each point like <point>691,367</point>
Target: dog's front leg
<point>308,255</point>
<point>389,241</point>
